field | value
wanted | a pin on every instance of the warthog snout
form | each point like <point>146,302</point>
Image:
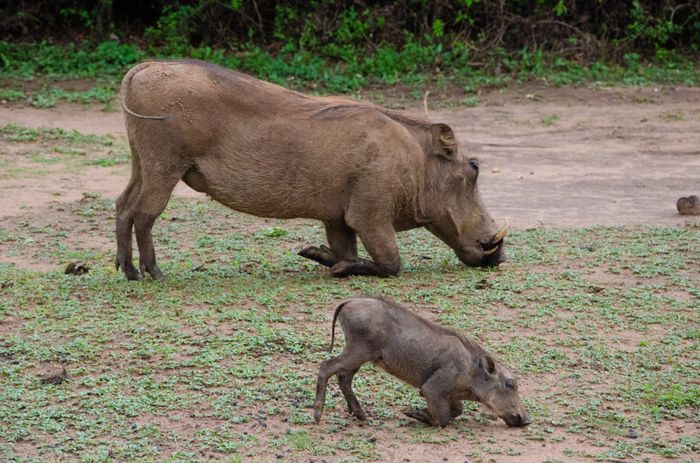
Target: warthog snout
<point>493,253</point>
<point>484,253</point>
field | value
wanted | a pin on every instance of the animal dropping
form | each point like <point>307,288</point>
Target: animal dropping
<point>53,375</point>
<point>443,363</point>
<point>688,205</point>
<point>76,268</point>
<point>363,170</point>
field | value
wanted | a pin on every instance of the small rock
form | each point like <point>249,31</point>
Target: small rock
<point>53,375</point>
<point>632,433</point>
<point>372,439</point>
<point>496,170</point>
<point>688,205</point>
<point>76,268</point>
<point>677,428</point>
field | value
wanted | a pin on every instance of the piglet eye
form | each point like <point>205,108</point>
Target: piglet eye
<point>510,384</point>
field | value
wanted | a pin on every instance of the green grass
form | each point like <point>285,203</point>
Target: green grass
<point>220,360</point>
<point>550,119</point>
<point>329,69</point>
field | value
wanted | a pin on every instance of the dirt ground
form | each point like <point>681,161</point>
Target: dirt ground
<point>553,157</point>
<point>549,157</point>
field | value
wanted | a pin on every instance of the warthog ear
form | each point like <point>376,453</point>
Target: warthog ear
<point>487,364</point>
<point>444,143</point>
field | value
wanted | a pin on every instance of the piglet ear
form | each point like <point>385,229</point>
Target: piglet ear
<point>444,143</point>
<point>487,364</point>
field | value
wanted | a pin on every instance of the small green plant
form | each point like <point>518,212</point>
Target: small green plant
<point>471,101</point>
<point>549,119</point>
<point>273,232</point>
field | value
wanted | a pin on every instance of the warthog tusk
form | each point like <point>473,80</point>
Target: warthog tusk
<point>501,233</point>
<point>490,251</point>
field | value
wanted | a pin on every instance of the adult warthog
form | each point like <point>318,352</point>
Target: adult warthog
<point>268,151</point>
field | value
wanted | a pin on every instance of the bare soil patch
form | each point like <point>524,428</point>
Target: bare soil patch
<point>550,156</point>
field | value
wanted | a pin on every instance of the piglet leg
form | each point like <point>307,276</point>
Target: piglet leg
<point>354,407</point>
<point>437,391</point>
<point>347,363</point>
<point>420,414</point>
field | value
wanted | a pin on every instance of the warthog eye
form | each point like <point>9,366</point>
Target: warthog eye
<point>510,384</point>
<point>474,163</point>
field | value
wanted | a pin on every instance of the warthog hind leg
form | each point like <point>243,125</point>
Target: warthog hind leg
<point>345,364</point>
<point>354,407</point>
<point>155,193</point>
<point>125,225</point>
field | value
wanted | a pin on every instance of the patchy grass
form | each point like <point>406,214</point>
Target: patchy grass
<point>46,146</point>
<point>220,361</point>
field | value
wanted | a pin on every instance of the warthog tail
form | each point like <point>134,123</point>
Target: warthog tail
<point>335,317</point>
<point>125,85</point>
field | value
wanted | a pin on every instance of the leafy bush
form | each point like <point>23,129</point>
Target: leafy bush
<point>574,29</point>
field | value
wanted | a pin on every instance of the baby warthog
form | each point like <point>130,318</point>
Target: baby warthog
<point>447,366</point>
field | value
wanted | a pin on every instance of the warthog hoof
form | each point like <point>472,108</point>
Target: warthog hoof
<point>358,413</point>
<point>422,415</point>
<point>321,254</point>
<point>155,273</point>
<point>129,270</point>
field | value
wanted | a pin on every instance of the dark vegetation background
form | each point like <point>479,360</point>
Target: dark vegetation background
<point>348,45</point>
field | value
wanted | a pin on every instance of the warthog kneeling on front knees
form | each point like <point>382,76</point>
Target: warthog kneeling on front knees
<point>446,365</point>
<point>363,170</point>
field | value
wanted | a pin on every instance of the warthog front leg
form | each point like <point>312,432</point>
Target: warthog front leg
<point>456,408</point>
<point>424,415</point>
<point>343,245</point>
<point>437,391</point>
<point>321,254</point>
<point>420,414</point>
<point>380,243</point>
